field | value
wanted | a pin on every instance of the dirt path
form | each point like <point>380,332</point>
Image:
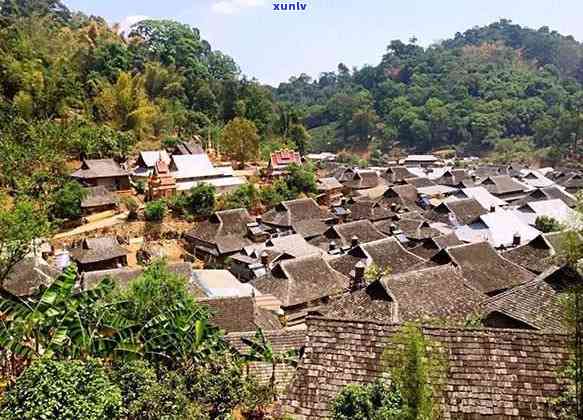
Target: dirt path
<point>88,227</point>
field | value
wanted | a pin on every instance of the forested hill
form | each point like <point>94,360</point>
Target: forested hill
<point>474,91</point>
<point>71,86</point>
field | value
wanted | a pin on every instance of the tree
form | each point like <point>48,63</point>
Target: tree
<point>301,179</point>
<point>21,225</point>
<point>240,140</point>
<point>547,224</point>
<point>200,200</point>
<point>67,390</point>
<point>300,137</point>
<point>155,211</point>
<point>67,201</point>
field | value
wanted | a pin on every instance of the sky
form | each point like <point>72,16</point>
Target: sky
<point>273,45</point>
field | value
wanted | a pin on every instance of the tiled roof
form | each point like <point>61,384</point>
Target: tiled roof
<point>465,211</point>
<point>491,374</point>
<point>549,193</point>
<point>402,195</point>
<point>397,174</point>
<point>226,229</point>
<point>482,195</point>
<point>536,304</point>
<point>363,179</point>
<point>484,268</point>
<point>240,314</point>
<point>99,168</point>
<point>287,213</point>
<point>538,254</point>
<point>453,177</point>
<point>503,184</point>
<point>302,280</point>
<point>283,158</point>
<point>343,233</point>
<point>371,210</point>
<point>419,182</point>
<point>433,293</point>
<point>98,249</point>
<point>28,275</point>
<point>327,184</point>
<point>385,253</point>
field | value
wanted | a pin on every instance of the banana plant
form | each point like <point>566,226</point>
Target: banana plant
<point>261,350</point>
<point>60,322</point>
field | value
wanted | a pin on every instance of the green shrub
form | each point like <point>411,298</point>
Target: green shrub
<point>50,389</point>
<point>376,401</point>
<point>547,224</point>
<point>301,179</point>
<point>200,200</point>
<point>66,202</point>
<point>147,397</point>
<point>155,210</point>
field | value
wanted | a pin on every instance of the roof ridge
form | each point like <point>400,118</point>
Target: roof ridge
<point>495,331</point>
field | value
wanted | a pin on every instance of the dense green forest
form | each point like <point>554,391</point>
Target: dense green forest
<point>72,86</point>
<point>488,84</point>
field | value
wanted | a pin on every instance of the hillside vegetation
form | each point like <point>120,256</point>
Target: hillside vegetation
<point>489,83</point>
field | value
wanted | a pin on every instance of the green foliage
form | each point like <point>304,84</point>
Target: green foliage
<point>20,225</point>
<point>148,396</point>
<point>154,211</point>
<point>240,140</point>
<point>276,193</point>
<point>200,200</point>
<point>547,224</point>
<point>301,179</point>
<point>66,202</point>
<point>417,372</point>
<point>500,81</point>
<point>68,390</point>
<point>376,401</point>
<point>131,204</point>
<point>246,196</point>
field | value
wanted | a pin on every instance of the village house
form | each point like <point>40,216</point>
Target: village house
<point>555,209</point>
<point>505,187</point>
<point>404,197</point>
<point>457,212</point>
<point>481,195</point>
<point>99,254</point>
<point>104,173</point>
<point>536,305</point>
<point>501,228</point>
<point>224,234</point>
<point>457,178</point>
<point>28,276</point>
<point>386,254</point>
<point>240,314</point>
<point>397,174</point>
<point>301,283</point>
<point>99,199</point>
<point>146,162</point>
<point>364,209</point>
<point>422,161</point>
<point>302,216</point>
<point>329,191</point>
<point>484,269</point>
<point>189,147</point>
<point>427,248</point>
<point>431,293</point>
<point>549,193</point>
<point>542,252</point>
<point>190,170</point>
<point>281,160</point>
<point>350,234</point>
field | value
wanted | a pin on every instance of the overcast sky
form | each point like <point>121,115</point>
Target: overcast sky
<point>272,45</point>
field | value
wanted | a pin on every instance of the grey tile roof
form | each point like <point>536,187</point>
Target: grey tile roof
<point>99,168</point>
<point>98,249</point>
<point>491,374</point>
<point>484,268</point>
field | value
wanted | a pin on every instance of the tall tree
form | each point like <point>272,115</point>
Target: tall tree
<point>240,140</point>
